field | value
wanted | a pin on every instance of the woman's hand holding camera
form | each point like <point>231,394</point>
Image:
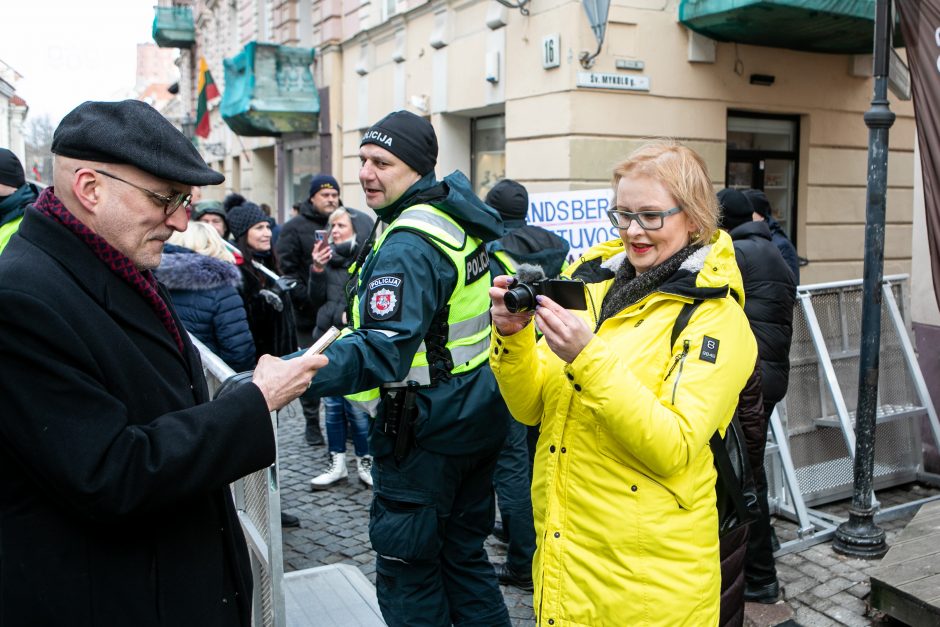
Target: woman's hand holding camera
<point>565,333</point>
<point>321,255</point>
<point>506,322</point>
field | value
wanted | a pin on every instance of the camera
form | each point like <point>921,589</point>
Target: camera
<point>568,294</point>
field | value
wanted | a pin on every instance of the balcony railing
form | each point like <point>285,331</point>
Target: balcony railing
<point>269,91</point>
<point>173,27</point>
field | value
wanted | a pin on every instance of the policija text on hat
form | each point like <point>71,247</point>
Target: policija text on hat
<point>114,504</point>
<point>422,332</point>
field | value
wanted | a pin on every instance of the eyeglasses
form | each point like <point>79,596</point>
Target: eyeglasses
<point>648,220</point>
<point>170,203</point>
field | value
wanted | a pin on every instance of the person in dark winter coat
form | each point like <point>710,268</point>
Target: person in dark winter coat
<point>770,292</point>
<point>533,245</point>
<point>330,282</point>
<point>15,195</point>
<point>115,505</point>
<point>203,281</point>
<point>762,211</point>
<point>270,316</point>
<point>294,246</point>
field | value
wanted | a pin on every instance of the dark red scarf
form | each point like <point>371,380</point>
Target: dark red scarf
<point>143,283</point>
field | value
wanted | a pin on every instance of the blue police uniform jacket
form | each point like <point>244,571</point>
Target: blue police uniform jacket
<point>459,415</point>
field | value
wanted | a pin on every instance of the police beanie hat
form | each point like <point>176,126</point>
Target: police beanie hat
<point>758,201</point>
<point>133,133</point>
<point>736,209</point>
<point>243,217</point>
<point>409,137</point>
<point>11,170</point>
<point>510,199</point>
<point>322,181</point>
<point>203,207</point>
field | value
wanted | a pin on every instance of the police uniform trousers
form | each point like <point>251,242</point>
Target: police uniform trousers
<point>430,517</point>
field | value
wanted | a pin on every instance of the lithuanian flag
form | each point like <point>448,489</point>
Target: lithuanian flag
<point>207,91</point>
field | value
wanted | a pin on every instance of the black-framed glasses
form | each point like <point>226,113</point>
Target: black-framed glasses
<point>648,220</point>
<point>170,203</point>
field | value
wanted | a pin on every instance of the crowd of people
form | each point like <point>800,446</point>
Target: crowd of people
<point>588,428</point>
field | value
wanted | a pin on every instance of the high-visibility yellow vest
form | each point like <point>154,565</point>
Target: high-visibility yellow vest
<point>506,259</point>
<point>468,309</point>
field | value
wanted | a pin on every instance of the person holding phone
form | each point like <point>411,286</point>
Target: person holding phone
<point>115,505</point>
<point>623,491</point>
<point>329,276</point>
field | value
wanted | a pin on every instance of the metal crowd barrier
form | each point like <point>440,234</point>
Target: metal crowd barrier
<point>811,446</point>
<point>258,503</point>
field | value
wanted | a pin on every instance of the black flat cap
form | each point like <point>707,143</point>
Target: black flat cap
<point>133,133</point>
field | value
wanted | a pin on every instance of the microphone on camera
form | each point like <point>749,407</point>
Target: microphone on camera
<point>529,273</point>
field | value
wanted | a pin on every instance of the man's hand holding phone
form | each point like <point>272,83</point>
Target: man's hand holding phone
<point>283,380</point>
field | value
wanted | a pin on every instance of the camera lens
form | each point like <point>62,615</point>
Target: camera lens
<point>520,298</point>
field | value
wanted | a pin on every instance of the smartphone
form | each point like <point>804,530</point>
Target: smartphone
<point>319,235</point>
<point>325,340</point>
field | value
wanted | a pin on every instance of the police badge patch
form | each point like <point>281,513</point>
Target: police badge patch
<point>383,297</point>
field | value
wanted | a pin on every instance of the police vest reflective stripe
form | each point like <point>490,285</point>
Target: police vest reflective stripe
<point>468,308</point>
<point>506,260</point>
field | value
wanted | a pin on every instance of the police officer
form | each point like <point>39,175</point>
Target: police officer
<point>422,336</point>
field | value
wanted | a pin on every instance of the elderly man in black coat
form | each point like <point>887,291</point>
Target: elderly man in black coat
<point>769,294</point>
<point>114,504</point>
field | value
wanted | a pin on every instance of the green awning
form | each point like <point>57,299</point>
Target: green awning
<point>833,26</point>
<point>269,90</point>
<point>173,27</point>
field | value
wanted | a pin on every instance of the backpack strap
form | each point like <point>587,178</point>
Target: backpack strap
<point>682,320</point>
<point>726,474</point>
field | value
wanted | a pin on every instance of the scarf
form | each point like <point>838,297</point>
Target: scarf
<point>629,287</point>
<point>143,283</point>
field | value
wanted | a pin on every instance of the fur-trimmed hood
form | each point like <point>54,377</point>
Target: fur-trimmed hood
<point>182,269</point>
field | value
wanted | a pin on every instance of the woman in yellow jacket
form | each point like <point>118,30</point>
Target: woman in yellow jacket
<point>624,485</point>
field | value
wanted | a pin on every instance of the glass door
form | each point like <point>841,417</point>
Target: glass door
<point>763,153</point>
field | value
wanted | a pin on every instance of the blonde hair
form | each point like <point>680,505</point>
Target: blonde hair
<point>338,213</point>
<point>684,174</point>
<point>203,239</point>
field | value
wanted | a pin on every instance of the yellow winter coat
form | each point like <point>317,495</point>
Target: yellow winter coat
<point>623,492</point>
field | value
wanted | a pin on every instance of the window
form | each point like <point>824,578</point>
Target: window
<point>763,153</point>
<point>487,152</point>
<point>303,162</point>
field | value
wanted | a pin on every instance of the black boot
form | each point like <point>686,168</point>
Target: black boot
<point>289,520</point>
<point>312,433</point>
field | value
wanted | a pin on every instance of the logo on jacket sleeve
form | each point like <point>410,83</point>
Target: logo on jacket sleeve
<point>709,349</point>
<point>383,297</point>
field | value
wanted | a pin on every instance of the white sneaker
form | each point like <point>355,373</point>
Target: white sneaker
<point>365,469</point>
<point>336,472</point>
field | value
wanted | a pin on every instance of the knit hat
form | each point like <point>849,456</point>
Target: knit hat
<point>759,202</point>
<point>511,200</point>
<point>243,217</point>
<point>407,136</point>
<point>736,209</point>
<point>203,207</point>
<point>11,170</point>
<point>134,133</point>
<point>322,181</point>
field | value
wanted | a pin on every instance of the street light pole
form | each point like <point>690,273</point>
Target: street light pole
<point>860,536</point>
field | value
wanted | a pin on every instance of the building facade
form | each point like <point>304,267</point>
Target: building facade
<point>530,93</point>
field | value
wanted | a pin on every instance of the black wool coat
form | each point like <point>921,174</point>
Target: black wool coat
<point>114,504</point>
<point>769,294</point>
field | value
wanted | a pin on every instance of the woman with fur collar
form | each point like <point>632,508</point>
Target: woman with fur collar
<point>203,281</point>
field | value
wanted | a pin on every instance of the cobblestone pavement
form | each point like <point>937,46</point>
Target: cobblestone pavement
<point>821,588</point>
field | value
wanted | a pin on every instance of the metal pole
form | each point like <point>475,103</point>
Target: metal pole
<point>859,536</point>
